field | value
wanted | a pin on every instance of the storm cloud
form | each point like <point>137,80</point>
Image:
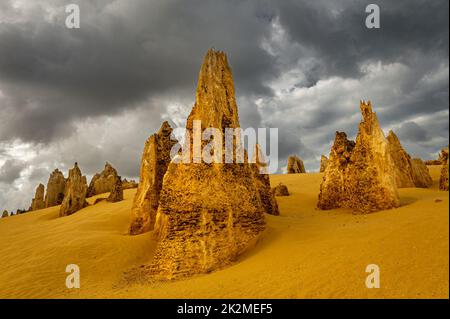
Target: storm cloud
<point>96,93</point>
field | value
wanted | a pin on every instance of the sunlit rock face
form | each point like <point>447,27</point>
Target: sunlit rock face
<point>208,214</point>
<point>56,186</point>
<point>332,192</point>
<point>75,196</point>
<point>403,167</point>
<point>154,163</point>
<point>116,194</point>
<point>421,174</point>
<point>360,176</point>
<point>443,180</point>
<point>38,201</point>
<point>323,163</point>
<point>103,182</point>
<point>295,165</point>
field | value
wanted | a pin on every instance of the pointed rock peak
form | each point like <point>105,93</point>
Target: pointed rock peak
<point>165,127</point>
<point>215,103</point>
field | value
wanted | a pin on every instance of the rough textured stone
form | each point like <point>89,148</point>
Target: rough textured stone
<point>75,195</point>
<point>103,182</point>
<point>443,180</point>
<point>421,174</point>
<point>323,163</point>
<point>295,165</point>
<point>56,186</point>
<point>5,214</point>
<point>403,166</point>
<point>116,194</point>
<point>361,177</point>
<point>263,182</point>
<point>154,163</point>
<point>129,184</point>
<point>332,193</point>
<point>208,214</point>
<point>38,200</point>
<point>280,190</point>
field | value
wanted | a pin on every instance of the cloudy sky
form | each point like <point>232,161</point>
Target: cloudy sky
<point>96,93</point>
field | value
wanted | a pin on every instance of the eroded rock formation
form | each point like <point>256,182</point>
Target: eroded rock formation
<point>75,195</point>
<point>56,186</point>
<point>443,180</point>
<point>263,182</point>
<point>129,184</point>
<point>360,176</point>
<point>38,201</point>
<point>5,214</point>
<point>323,163</point>
<point>403,166</point>
<point>332,192</point>
<point>280,190</point>
<point>208,214</point>
<point>295,165</point>
<point>116,194</point>
<point>103,182</point>
<point>154,163</point>
<point>421,174</point>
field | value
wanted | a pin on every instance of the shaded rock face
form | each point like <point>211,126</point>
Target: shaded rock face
<point>208,214</point>
<point>363,179</point>
<point>443,180</point>
<point>280,190</point>
<point>295,165</point>
<point>75,195</point>
<point>421,174</point>
<point>263,182</point>
<point>103,182</point>
<point>129,184</point>
<point>116,194</point>
<point>323,163</point>
<point>332,192</point>
<point>154,163</point>
<point>5,214</point>
<point>56,186</point>
<point>38,200</point>
<point>403,167</point>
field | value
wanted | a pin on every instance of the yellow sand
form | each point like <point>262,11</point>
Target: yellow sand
<point>304,253</point>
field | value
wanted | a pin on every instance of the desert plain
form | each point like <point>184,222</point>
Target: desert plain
<point>303,253</point>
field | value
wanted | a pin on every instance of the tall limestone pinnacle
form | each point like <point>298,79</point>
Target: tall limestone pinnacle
<point>360,175</point>
<point>55,189</point>
<point>208,214</point>
<point>75,195</point>
<point>403,167</point>
<point>38,200</point>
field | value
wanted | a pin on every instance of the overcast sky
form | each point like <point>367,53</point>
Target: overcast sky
<point>96,93</point>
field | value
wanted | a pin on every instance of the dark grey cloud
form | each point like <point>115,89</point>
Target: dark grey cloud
<point>95,94</point>
<point>10,171</point>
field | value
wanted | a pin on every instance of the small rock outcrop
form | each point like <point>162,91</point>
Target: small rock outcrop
<point>129,184</point>
<point>403,166</point>
<point>116,194</point>
<point>103,182</point>
<point>262,180</point>
<point>208,214</point>
<point>443,180</point>
<point>5,214</point>
<point>154,163</point>
<point>75,195</point>
<point>421,174</point>
<point>363,179</point>
<point>56,186</point>
<point>323,163</point>
<point>280,190</point>
<point>38,200</point>
<point>295,165</point>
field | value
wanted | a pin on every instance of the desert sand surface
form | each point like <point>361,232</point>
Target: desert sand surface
<point>304,253</point>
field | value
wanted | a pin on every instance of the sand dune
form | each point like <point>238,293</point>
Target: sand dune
<point>304,253</point>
